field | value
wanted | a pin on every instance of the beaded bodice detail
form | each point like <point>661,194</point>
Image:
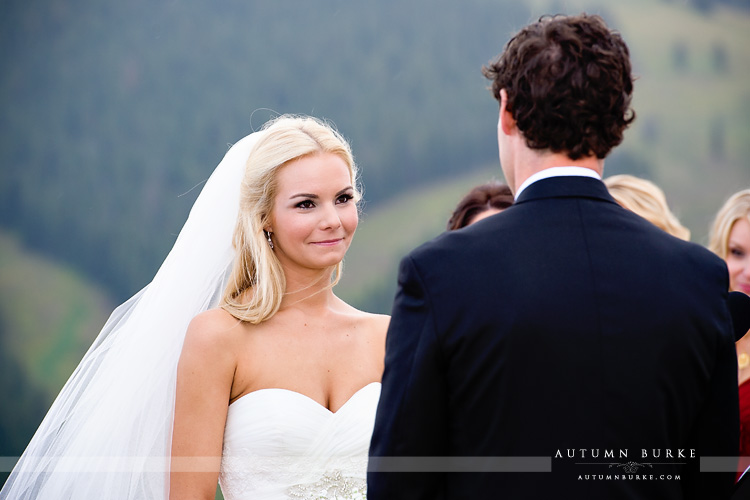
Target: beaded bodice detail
<point>280,445</point>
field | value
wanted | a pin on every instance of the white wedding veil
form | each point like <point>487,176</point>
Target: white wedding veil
<point>108,434</point>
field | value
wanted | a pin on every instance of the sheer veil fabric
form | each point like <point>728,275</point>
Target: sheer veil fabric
<point>108,434</point>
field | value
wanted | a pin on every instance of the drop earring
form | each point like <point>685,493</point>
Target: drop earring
<point>268,237</point>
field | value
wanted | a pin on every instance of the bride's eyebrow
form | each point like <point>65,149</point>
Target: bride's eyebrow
<point>304,195</point>
<point>315,196</point>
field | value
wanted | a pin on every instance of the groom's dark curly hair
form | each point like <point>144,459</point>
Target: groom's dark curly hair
<point>569,85</point>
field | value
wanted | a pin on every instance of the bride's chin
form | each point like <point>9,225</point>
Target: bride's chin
<point>332,259</point>
<point>323,265</point>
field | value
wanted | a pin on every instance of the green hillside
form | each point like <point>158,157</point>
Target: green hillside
<point>49,314</point>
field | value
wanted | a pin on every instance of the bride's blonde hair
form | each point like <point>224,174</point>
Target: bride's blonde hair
<point>256,269</point>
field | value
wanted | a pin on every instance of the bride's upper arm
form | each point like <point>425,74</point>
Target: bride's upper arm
<point>204,382</point>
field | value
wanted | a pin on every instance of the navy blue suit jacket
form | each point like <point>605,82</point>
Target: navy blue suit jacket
<point>565,328</point>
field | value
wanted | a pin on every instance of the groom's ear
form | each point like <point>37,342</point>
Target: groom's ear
<point>507,122</point>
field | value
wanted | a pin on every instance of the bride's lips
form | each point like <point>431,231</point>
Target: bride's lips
<point>328,243</point>
<point>744,288</point>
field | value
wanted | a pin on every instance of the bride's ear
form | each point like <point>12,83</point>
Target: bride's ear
<point>266,221</point>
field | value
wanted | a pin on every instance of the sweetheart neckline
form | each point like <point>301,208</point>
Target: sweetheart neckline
<point>305,396</point>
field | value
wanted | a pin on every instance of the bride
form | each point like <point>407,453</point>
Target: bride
<point>272,393</point>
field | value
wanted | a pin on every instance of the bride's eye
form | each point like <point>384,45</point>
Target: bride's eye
<point>344,198</point>
<point>305,204</point>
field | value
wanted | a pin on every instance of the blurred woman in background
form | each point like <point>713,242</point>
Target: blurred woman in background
<point>730,240</point>
<point>482,201</point>
<point>646,199</point>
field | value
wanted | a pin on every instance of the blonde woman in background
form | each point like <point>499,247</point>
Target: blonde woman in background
<point>647,200</point>
<point>730,239</point>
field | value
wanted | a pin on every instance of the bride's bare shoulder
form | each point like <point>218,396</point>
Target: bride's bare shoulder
<point>375,329</point>
<point>376,323</point>
<point>209,353</point>
<point>379,322</point>
<point>216,317</point>
<point>215,326</point>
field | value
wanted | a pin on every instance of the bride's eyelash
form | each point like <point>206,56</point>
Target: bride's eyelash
<point>345,197</point>
<point>305,204</point>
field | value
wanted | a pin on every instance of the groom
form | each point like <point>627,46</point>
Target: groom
<point>565,348</point>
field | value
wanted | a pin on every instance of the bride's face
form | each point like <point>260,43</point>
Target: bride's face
<point>314,214</point>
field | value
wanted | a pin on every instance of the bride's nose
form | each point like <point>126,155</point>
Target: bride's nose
<point>330,218</point>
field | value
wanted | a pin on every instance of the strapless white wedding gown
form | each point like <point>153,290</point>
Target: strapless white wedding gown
<point>280,444</point>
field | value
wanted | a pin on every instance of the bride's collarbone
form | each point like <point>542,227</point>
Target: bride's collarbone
<point>285,328</point>
<point>323,364</point>
<point>293,317</point>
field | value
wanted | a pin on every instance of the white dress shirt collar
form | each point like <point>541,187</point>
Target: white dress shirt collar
<point>557,172</point>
